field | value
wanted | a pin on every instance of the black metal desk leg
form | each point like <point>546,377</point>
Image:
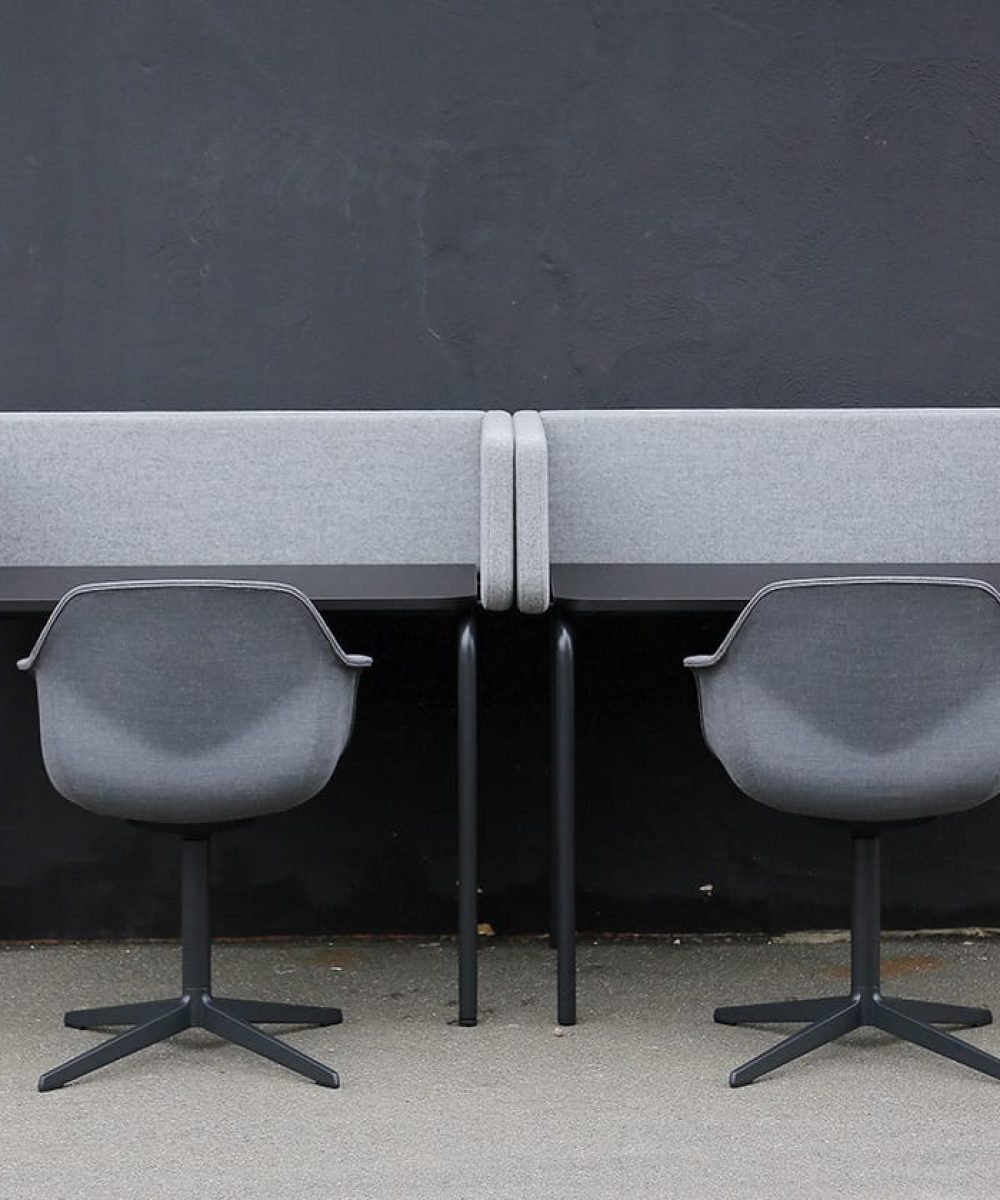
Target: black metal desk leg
<point>563,818</point>
<point>467,821</point>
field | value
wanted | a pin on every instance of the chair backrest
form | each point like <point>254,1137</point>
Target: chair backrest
<point>871,698</point>
<point>755,485</point>
<point>191,701</point>
<point>249,488</point>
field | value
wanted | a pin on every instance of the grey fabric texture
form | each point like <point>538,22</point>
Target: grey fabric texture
<point>496,514</point>
<point>531,490</point>
<point>873,699</point>
<point>191,701</point>
<point>768,485</point>
<point>244,488</point>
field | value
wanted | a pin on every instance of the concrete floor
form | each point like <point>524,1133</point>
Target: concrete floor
<point>633,1102</point>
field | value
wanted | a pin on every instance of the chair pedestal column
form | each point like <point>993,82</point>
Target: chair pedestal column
<point>196,938</point>
<point>830,1017</point>
<point>866,923</point>
<point>155,1020</point>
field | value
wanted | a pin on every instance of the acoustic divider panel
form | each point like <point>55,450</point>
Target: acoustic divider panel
<point>531,502</point>
<point>249,488</point>
<point>643,510</point>
<point>365,511</point>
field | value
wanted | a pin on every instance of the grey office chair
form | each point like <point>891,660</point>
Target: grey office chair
<point>863,701</point>
<point>192,706</point>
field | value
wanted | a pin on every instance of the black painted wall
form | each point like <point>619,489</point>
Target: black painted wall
<point>475,203</point>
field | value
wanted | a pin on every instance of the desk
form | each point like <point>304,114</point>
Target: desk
<point>582,588</point>
<point>700,587</point>
<point>342,588</point>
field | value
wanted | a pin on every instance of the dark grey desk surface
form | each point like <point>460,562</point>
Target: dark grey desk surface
<point>405,588</point>
<point>679,587</point>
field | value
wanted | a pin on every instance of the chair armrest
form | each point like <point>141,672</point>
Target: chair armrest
<point>697,661</point>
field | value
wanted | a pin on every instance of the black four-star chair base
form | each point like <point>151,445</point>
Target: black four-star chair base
<point>830,1017</point>
<point>833,1016</point>
<point>196,1008</point>
<point>155,1020</point>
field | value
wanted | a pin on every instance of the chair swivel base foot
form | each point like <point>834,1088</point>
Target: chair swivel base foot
<point>153,1021</point>
<point>830,1017</point>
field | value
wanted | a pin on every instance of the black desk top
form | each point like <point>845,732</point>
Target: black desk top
<point>347,587</point>
<point>679,587</point>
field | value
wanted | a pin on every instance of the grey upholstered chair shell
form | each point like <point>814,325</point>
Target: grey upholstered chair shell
<point>191,701</point>
<point>869,699</point>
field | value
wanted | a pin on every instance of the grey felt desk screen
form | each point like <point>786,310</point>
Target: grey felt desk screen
<point>754,485</point>
<point>260,487</point>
